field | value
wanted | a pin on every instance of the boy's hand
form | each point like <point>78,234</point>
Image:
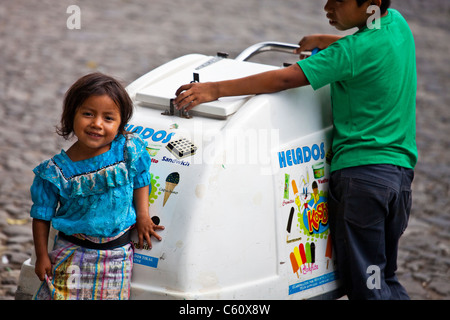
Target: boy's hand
<point>146,228</point>
<point>191,95</point>
<point>308,43</point>
<point>313,41</point>
<point>43,267</point>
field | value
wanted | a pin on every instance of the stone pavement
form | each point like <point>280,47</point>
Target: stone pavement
<point>41,57</point>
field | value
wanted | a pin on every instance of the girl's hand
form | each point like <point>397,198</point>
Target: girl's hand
<point>43,264</point>
<point>146,228</point>
<point>144,224</point>
<point>43,267</point>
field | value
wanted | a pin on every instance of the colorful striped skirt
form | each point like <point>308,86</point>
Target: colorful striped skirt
<point>87,274</point>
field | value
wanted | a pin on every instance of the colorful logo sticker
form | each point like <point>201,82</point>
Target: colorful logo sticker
<point>315,213</point>
<point>312,207</point>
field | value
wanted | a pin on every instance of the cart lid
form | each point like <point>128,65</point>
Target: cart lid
<point>159,92</point>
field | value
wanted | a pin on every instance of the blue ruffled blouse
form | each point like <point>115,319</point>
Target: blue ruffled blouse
<point>95,196</point>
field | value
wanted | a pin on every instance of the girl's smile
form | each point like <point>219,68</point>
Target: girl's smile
<point>96,124</point>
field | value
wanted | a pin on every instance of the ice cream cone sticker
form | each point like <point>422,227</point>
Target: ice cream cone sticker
<point>171,182</point>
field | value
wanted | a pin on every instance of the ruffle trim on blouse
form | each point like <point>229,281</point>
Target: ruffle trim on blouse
<point>117,174</point>
<point>136,155</point>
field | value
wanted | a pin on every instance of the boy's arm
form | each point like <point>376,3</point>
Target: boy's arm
<point>43,265</point>
<point>313,41</point>
<point>190,95</point>
<point>309,43</point>
<point>144,224</point>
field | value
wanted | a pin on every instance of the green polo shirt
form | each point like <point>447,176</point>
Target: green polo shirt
<point>373,82</point>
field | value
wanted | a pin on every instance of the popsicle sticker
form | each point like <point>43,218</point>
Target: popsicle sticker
<point>297,260</point>
<point>289,226</point>
<point>171,182</point>
<point>301,255</point>
<point>286,186</point>
<point>294,263</point>
<point>299,202</point>
<point>297,198</point>
<point>294,187</point>
<point>329,250</point>
<point>308,253</point>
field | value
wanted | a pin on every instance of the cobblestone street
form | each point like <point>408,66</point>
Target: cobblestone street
<point>41,57</point>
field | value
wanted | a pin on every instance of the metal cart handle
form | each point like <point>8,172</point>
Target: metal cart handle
<point>264,47</point>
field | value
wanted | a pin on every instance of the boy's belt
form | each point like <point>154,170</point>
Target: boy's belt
<point>119,242</point>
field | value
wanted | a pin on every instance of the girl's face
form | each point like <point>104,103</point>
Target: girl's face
<point>96,124</point>
<point>345,14</point>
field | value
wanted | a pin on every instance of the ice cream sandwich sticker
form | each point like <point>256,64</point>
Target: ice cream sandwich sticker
<point>181,148</point>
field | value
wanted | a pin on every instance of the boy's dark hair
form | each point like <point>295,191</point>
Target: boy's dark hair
<point>385,4</point>
<point>94,84</point>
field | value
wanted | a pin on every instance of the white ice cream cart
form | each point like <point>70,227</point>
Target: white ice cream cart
<point>240,184</point>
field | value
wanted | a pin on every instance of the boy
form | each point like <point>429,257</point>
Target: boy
<point>372,75</point>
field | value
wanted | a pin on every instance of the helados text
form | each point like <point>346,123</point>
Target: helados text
<point>147,133</point>
<point>301,155</point>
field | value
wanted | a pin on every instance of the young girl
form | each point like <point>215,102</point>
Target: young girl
<point>93,194</point>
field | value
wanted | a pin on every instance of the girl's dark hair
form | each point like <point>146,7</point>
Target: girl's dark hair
<point>385,4</point>
<point>94,84</point>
